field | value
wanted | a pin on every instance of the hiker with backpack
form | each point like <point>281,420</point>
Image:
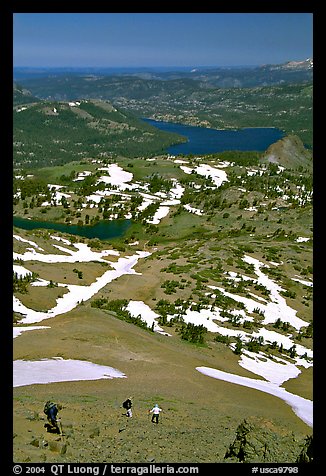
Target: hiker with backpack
<point>51,410</point>
<point>127,404</point>
<point>156,410</point>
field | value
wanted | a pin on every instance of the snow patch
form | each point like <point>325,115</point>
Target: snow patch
<point>302,407</point>
<point>28,372</point>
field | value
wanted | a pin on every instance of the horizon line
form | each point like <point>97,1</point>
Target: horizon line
<point>158,66</point>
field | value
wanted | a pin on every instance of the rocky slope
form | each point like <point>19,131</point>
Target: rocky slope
<point>107,435</point>
<point>289,152</point>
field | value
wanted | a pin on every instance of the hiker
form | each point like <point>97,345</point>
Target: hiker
<point>127,404</point>
<point>51,410</point>
<point>156,413</point>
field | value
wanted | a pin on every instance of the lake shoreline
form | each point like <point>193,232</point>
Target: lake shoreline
<point>207,140</point>
<point>103,230</point>
<point>210,127</point>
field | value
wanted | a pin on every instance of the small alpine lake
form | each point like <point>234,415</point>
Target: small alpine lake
<point>103,230</point>
<point>203,140</point>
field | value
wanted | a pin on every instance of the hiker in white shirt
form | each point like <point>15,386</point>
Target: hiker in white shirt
<point>156,413</point>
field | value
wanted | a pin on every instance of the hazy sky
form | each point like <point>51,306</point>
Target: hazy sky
<point>160,39</point>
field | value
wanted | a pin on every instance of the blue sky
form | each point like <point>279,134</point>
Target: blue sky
<point>160,39</point>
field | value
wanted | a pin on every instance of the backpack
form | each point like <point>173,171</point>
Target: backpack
<point>47,406</point>
<point>127,404</point>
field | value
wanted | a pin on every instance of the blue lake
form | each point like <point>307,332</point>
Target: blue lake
<point>201,140</point>
<point>103,230</point>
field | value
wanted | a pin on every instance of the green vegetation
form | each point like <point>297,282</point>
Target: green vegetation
<point>118,308</point>
<point>53,133</point>
<point>193,333</point>
<point>20,283</point>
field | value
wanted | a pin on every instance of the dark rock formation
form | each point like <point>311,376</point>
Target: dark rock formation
<point>256,443</point>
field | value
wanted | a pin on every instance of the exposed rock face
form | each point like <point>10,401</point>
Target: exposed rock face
<point>258,444</point>
<point>289,152</point>
<point>306,455</point>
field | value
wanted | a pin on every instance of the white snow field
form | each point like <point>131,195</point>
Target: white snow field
<point>56,369</point>
<point>28,372</point>
<point>139,308</point>
<point>218,176</point>
<point>302,407</point>
<point>77,293</point>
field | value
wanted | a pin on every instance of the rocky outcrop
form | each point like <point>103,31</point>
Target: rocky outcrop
<point>289,152</point>
<point>306,454</point>
<point>255,443</point>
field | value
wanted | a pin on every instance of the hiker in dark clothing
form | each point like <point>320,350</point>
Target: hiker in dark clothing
<point>127,404</point>
<point>51,410</point>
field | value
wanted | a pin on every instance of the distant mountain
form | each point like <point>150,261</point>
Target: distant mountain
<point>222,98</point>
<point>306,65</point>
<point>266,75</point>
<point>82,83</point>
